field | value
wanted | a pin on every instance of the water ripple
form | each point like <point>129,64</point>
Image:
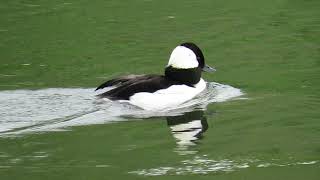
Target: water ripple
<point>204,165</point>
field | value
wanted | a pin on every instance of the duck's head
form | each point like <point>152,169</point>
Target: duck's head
<point>186,63</point>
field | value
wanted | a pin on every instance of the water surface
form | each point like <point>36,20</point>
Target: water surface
<point>52,53</point>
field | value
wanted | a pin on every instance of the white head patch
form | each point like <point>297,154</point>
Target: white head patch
<point>183,58</point>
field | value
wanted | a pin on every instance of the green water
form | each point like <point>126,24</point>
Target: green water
<point>268,49</point>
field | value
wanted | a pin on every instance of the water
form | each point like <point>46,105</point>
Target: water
<point>53,53</point>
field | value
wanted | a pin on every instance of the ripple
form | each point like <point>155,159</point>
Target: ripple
<point>204,165</point>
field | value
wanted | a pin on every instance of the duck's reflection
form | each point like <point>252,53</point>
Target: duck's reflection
<point>187,129</point>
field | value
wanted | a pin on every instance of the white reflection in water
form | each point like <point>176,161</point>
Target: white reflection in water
<point>187,129</point>
<point>55,109</point>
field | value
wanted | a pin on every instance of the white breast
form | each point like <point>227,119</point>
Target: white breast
<point>167,98</point>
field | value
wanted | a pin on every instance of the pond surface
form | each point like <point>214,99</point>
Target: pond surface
<point>258,118</point>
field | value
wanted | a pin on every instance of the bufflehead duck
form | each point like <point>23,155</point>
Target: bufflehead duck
<point>181,82</point>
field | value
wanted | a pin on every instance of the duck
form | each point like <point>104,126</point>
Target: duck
<point>180,82</point>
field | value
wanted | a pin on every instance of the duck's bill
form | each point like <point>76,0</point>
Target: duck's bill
<point>207,68</point>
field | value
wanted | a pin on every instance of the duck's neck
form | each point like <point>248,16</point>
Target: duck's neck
<point>189,77</point>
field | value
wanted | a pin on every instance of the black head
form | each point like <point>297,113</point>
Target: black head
<point>186,64</point>
<point>197,51</point>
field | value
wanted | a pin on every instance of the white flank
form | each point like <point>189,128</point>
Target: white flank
<point>166,98</point>
<point>183,58</point>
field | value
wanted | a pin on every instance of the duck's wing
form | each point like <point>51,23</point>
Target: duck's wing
<point>119,80</point>
<point>129,85</point>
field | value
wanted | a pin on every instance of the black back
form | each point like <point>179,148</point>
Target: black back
<point>126,86</point>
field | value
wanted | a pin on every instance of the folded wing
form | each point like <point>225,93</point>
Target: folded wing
<point>127,86</point>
